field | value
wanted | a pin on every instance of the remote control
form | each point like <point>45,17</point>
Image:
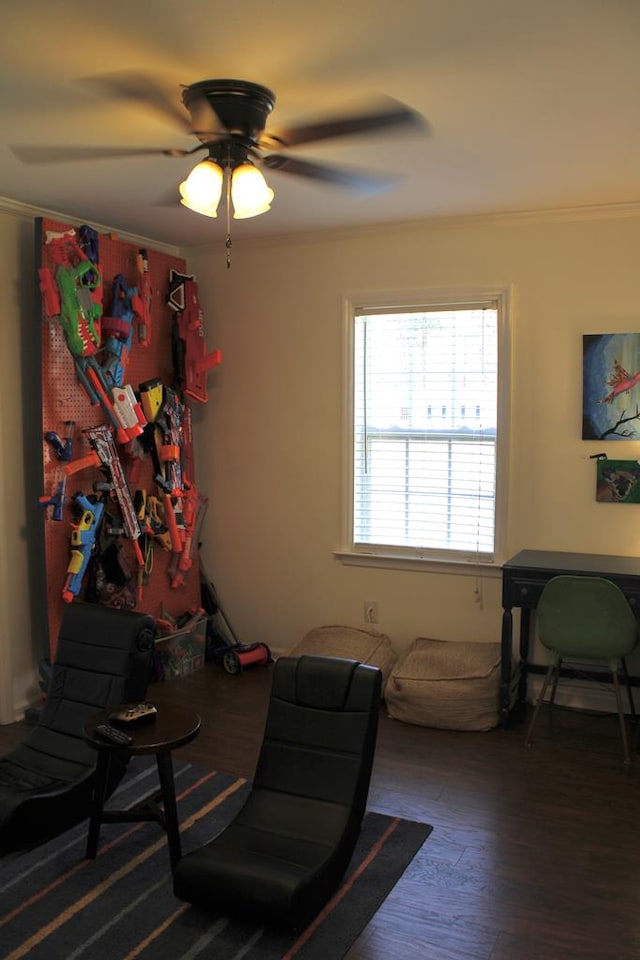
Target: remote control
<point>134,713</point>
<point>106,732</point>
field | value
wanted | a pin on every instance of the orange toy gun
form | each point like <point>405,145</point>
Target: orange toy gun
<point>141,302</point>
<point>195,507</point>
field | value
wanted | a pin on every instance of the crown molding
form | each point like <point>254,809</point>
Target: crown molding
<point>613,211</point>
<point>24,211</point>
<point>595,212</point>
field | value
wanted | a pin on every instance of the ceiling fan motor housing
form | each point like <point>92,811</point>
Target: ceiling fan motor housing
<point>242,107</point>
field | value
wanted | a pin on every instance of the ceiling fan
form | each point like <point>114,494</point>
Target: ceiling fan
<point>229,119</point>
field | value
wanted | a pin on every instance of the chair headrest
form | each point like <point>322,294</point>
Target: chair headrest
<point>326,683</point>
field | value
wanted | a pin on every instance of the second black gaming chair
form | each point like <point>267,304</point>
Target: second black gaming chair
<point>286,851</point>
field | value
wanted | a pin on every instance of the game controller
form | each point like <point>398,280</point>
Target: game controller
<point>134,713</point>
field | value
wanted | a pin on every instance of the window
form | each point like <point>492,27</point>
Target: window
<point>424,432</point>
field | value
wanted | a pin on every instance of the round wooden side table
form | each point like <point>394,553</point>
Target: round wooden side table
<point>173,727</point>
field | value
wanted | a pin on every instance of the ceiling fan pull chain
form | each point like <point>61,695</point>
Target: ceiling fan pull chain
<point>228,213</point>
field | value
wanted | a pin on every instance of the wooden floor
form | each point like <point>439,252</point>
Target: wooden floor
<point>535,853</point>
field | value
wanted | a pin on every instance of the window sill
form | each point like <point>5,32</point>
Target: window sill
<point>465,568</point>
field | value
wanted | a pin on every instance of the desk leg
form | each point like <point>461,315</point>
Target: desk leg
<point>165,774</point>
<point>505,667</point>
<point>97,802</point>
<point>525,627</point>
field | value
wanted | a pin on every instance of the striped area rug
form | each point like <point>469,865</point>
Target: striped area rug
<point>55,905</point>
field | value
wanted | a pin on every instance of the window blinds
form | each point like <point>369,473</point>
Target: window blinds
<point>425,429</point>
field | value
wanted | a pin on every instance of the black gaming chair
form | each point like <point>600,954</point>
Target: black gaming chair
<point>103,657</point>
<point>286,851</point>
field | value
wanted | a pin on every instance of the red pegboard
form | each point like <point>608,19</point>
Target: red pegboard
<point>64,399</point>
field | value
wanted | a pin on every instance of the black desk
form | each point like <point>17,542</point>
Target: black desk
<point>173,727</point>
<point>523,579</point>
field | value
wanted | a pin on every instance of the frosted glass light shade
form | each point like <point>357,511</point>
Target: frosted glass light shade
<point>202,189</point>
<point>249,192</point>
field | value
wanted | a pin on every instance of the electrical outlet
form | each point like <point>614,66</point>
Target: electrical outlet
<point>370,611</point>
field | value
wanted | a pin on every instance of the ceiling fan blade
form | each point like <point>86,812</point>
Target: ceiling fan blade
<point>206,124</point>
<point>358,180</point>
<point>392,115</point>
<point>141,88</point>
<point>39,154</point>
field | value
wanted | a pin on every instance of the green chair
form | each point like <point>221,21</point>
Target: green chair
<point>587,619</point>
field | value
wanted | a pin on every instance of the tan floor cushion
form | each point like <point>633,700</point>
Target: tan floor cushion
<point>366,646</point>
<point>454,686</point>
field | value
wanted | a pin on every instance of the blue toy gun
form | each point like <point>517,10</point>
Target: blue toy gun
<point>83,538</point>
<point>57,500</point>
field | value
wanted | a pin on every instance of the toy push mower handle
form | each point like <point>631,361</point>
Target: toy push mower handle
<point>235,656</point>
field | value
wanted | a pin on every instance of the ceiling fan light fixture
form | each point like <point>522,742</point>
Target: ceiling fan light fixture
<point>250,192</point>
<point>202,189</point>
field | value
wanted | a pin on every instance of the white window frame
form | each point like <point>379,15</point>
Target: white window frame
<point>449,298</point>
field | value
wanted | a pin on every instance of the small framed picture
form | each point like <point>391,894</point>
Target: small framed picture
<point>618,481</point>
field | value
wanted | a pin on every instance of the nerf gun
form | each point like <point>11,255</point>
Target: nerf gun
<point>73,296</point>
<point>141,300</point>
<point>78,320</point>
<point>83,536</point>
<point>104,453</point>
<point>128,411</point>
<point>167,457</point>
<point>150,513</point>
<point>192,502</point>
<point>117,331</point>
<point>78,309</point>
<point>151,394</point>
<point>50,292</point>
<point>111,579</point>
<point>57,500</point>
<point>190,358</point>
<point>118,403</point>
<point>90,246</point>
<point>169,452</point>
<point>195,507</point>
<point>63,447</point>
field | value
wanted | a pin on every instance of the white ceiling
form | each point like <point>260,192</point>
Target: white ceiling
<point>532,104</point>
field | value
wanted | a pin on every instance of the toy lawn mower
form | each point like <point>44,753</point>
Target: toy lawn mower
<point>222,642</point>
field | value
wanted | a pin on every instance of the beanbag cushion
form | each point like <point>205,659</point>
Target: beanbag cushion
<point>446,684</point>
<point>365,646</point>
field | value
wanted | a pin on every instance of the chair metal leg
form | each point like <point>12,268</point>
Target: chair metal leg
<point>527,741</point>
<point>556,677</point>
<point>623,727</point>
<point>627,679</point>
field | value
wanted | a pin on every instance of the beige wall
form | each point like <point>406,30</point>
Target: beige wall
<point>20,566</point>
<point>269,445</point>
